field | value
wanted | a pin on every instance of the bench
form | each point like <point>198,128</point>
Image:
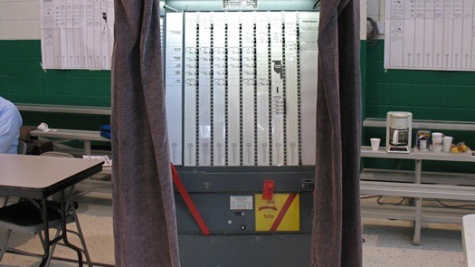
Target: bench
<point>418,214</point>
<point>468,229</point>
<point>407,176</point>
<point>68,134</point>
<point>425,124</point>
<point>64,109</point>
<point>414,184</point>
<point>438,191</point>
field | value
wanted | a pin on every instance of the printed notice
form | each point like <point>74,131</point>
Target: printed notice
<point>281,213</point>
<point>241,203</point>
<point>77,34</point>
<point>240,4</point>
<point>430,35</point>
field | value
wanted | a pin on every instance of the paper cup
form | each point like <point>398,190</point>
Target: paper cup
<point>437,142</point>
<point>375,143</point>
<point>447,143</point>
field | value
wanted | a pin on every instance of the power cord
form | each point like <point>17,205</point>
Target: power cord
<point>317,4</point>
<point>390,204</point>
<point>378,200</point>
<point>469,206</point>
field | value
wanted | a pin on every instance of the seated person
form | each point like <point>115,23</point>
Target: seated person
<point>10,123</point>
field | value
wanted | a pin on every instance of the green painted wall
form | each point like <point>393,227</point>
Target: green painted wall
<point>22,80</point>
<point>438,95</point>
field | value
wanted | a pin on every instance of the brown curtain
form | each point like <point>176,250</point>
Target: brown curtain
<point>336,233</point>
<point>145,231</point>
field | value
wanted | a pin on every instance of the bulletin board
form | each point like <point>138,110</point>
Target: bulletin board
<point>430,35</point>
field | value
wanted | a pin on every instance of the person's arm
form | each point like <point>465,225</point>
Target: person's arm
<point>9,130</point>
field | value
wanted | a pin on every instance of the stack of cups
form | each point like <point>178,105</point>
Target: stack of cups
<point>437,142</point>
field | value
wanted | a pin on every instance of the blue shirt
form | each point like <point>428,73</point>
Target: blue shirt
<point>10,123</point>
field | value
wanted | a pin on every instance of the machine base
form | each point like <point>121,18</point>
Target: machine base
<point>280,250</point>
<point>395,149</point>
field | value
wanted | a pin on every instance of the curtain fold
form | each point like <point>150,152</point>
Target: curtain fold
<point>144,220</point>
<point>336,233</point>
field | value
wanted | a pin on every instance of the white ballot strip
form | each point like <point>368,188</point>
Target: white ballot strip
<point>219,88</point>
<point>190,90</point>
<point>277,93</point>
<point>263,85</point>
<point>291,91</point>
<point>204,94</point>
<point>174,84</point>
<point>248,82</point>
<point>234,94</point>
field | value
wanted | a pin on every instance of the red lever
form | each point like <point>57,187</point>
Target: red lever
<point>189,202</point>
<point>268,191</point>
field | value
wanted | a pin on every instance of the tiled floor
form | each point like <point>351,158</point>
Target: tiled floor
<point>95,216</point>
<point>387,243</point>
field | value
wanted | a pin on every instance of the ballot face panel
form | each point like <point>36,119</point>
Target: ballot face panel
<point>243,90</point>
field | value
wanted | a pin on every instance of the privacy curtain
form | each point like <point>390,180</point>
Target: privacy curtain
<point>336,233</point>
<point>145,231</point>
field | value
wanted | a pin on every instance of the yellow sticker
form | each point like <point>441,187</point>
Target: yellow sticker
<point>282,213</point>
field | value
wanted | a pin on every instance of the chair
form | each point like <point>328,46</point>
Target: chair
<point>25,217</point>
<point>22,148</point>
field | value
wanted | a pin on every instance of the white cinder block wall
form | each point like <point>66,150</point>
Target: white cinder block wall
<point>373,9</point>
<point>19,20</point>
<point>363,14</point>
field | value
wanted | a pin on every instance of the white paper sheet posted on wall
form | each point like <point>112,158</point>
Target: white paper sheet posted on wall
<point>430,35</point>
<point>76,34</point>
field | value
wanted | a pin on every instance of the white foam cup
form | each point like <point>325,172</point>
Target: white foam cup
<point>375,143</point>
<point>447,143</point>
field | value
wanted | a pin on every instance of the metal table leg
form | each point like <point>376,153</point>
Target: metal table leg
<point>87,147</point>
<point>418,215</point>
<point>46,241</point>
<point>63,236</point>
